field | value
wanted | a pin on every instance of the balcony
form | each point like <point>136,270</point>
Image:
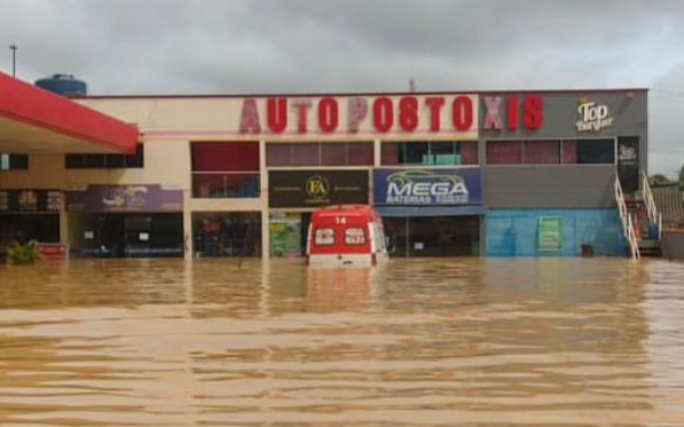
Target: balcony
<point>225,185</point>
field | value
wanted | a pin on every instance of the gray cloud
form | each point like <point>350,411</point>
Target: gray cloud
<point>278,46</point>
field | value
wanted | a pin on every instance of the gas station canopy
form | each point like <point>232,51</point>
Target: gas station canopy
<point>35,120</point>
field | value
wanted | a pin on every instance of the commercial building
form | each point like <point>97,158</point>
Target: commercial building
<point>501,174</point>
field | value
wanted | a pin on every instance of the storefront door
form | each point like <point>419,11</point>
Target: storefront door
<point>628,164</point>
<point>227,234</point>
<point>433,236</point>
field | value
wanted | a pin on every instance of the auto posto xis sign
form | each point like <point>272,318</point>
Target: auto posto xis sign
<point>350,115</point>
<point>427,187</point>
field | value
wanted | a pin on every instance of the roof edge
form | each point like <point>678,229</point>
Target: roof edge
<point>395,93</point>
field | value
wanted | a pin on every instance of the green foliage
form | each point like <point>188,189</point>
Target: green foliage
<point>23,253</point>
<point>659,179</point>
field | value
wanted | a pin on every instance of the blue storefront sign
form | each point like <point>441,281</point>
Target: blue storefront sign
<point>427,187</point>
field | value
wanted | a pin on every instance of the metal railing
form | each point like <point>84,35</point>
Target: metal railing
<point>651,207</point>
<point>626,220</point>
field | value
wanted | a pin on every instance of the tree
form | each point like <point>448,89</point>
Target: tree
<point>660,179</point>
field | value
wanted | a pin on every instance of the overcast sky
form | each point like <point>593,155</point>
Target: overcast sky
<point>123,47</point>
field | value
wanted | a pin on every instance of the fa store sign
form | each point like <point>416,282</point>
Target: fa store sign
<point>593,117</point>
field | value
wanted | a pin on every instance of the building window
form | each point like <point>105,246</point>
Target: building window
<point>551,152</point>
<point>306,154</point>
<point>360,154</point>
<point>589,152</point>
<point>314,154</point>
<point>429,153</point>
<point>225,169</point>
<point>334,154</point>
<point>106,161</point>
<point>569,152</point>
<point>10,162</point>
<point>596,151</point>
<point>540,152</point>
<point>504,152</point>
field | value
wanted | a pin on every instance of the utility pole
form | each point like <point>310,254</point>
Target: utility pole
<point>14,48</point>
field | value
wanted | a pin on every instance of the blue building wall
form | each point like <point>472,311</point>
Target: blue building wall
<point>515,232</point>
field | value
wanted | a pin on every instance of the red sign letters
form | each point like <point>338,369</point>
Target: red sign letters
<point>385,114</point>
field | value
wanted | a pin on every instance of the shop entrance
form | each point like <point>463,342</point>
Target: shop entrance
<point>128,235</point>
<point>628,164</point>
<point>234,234</point>
<point>43,227</point>
<point>433,236</point>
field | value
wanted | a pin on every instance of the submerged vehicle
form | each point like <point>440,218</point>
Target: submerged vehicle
<point>346,235</point>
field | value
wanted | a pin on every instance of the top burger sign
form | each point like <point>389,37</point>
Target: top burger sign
<point>334,115</point>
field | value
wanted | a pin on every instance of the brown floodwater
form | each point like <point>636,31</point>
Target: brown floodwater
<point>422,342</point>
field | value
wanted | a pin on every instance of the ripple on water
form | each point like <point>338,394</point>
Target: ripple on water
<point>421,342</point>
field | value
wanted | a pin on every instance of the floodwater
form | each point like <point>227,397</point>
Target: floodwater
<point>423,342</point>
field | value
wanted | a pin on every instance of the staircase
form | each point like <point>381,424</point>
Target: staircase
<point>646,221</point>
<point>628,228</point>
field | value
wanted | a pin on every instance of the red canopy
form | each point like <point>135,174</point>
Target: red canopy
<point>35,120</point>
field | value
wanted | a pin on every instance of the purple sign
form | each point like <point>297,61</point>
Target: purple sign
<point>125,198</point>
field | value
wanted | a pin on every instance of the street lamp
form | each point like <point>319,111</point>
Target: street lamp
<point>14,48</point>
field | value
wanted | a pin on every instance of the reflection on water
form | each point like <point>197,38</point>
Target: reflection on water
<point>425,342</point>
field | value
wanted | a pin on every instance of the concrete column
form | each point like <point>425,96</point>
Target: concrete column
<point>265,237</point>
<point>263,196</point>
<point>377,153</point>
<point>63,222</point>
<point>63,228</point>
<point>188,232</point>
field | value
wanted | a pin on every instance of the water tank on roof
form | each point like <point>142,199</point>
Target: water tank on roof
<point>63,84</point>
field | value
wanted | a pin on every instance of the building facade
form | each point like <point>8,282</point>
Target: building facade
<point>498,174</point>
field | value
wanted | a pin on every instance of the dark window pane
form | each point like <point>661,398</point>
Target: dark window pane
<point>595,151</point>
<point>94,161</point>
<point>74,161</point>
<point>390,153</point>
<point>417,153</point>
<point>105,161</point>
<point>445,153</point>
<point>360,153</point>
<point>279,154</point>
<point>542,152</point>
<point>437,148</point>
<point>18,161</point>
<point>306,154</point>
<point>469,155</point>
<point>504,152</point>
<point>569,152</point>
<point>115,161</point>
<point>334,154</point>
